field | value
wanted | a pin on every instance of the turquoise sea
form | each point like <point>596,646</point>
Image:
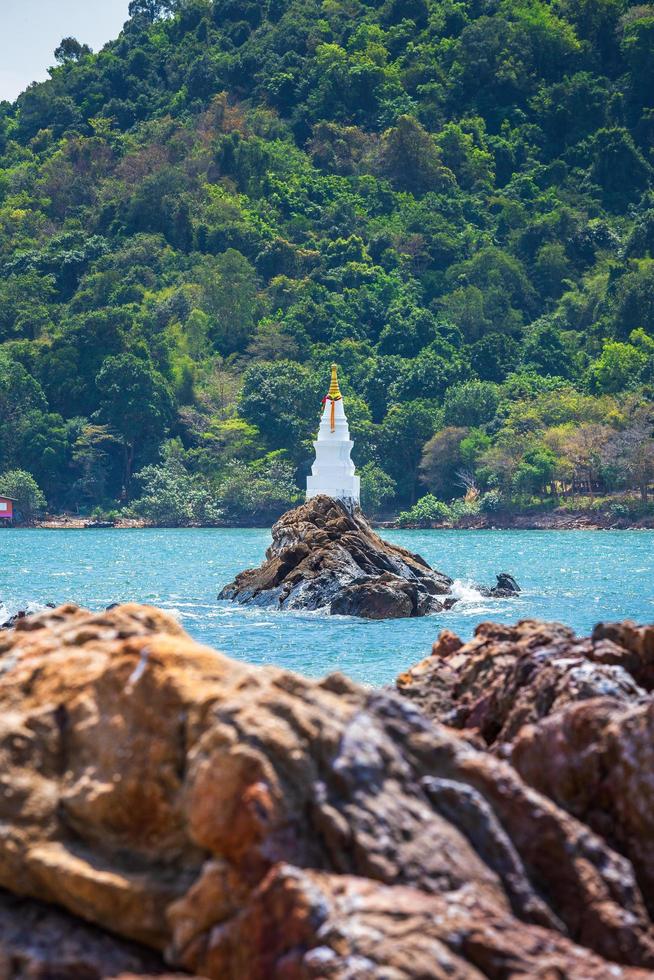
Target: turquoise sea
<point>577,577</point>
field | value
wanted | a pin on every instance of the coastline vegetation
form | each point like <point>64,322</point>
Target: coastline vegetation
<point>453,200</point>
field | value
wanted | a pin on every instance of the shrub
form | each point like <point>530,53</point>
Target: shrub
<point>465,508</point>
<point>618,509</point>
<point>377,488</point>
<point>172,497</point>
<point>259,492</point>
<point>429,510</point>
<point>491,502</point>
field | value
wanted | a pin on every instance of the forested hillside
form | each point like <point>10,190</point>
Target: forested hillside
<point>453,200</point>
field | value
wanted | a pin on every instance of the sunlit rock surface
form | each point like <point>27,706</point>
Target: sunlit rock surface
<point>244,822</point>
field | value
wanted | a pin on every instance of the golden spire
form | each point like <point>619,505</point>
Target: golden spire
<point>334,390</point>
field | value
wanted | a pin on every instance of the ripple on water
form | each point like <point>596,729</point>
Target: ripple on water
<point>575,577</point>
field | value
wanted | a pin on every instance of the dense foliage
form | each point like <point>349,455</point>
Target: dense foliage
<point>454,200</point>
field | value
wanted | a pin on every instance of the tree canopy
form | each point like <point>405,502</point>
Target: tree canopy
<point>454,201</point>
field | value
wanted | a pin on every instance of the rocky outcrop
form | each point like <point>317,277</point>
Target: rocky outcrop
<point>324,557</point>
<point>247,823</point>
<point>8,621</point>
<point>574,716</point>
<point>509,676</point>
<point>336,926</point>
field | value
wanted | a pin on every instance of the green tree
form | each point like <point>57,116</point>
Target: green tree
<point>402,435</point>
<point>428,511</point>
<point>136,405</point>
<point>551,268</point>
<point>544,352</point>
<point>463,152</point>
<point>283,401</point>
<point>410,158</point>
<point>637,49</point>
<point>619,366</point>
<point>259,492</point>
<point>535,471</point>
<point>70,49</point>
<point>618,166</point>
<point>230,289</point>
<point>377,488</point>
<point>21,399</point>
<point>171,497</point>
<point>632,301</point>
<point>442,459</point>
<point>494,356</point>
<point>150,10</point>
<point>471,404</point>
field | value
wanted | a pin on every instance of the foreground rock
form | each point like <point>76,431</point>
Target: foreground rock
<point>248,823</point>
<point>324,557</point>
<point>508,676</point>
<point>575,716</point>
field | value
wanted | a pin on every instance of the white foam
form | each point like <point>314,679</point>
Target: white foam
<point>7,610</point>
<point>466,591</point>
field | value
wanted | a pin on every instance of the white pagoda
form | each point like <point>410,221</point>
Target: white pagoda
<point>333,472</point>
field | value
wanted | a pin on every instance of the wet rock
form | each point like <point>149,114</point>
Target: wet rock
<point>12,621</point>
<point>325,557</point>
<point>251,823</point>
<point>17,619</point>
<point>505,588</point>
<point>510,676</point>
<point>384,597</point>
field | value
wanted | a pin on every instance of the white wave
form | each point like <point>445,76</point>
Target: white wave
<point>9,609</point>
<point>467,592</point>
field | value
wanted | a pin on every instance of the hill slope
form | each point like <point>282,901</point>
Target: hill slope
<point>451,199</point>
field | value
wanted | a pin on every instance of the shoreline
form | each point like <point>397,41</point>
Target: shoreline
<point>519,523</point>
<point>581,521</point>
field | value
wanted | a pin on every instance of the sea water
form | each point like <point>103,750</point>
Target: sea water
<point>575,577</point>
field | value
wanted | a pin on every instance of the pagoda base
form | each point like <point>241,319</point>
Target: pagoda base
<point>349,492</point>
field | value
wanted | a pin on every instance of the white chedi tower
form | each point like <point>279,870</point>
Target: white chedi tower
<point>333,472</point>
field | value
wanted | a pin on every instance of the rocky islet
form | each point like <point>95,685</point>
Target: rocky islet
<point>325,555</point>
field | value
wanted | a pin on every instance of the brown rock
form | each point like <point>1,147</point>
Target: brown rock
<point>446,644</point>
<point>318,925</point>
<point>597,760</point>
<point>629,645</point>
<point>324,557</point>
<point>510,676</point>
<point>252,823</point>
